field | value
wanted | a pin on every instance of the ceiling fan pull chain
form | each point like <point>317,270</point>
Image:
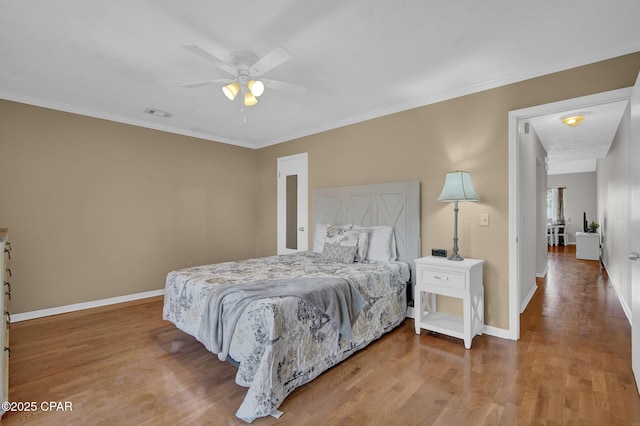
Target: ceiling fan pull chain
<point>243,113</point>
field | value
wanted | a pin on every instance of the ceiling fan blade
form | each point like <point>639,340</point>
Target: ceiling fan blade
<point>281,85</point>
<point>206,83</point>
<point>209,57</point>
<point>269,62</point>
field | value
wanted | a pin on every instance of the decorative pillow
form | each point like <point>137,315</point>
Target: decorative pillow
<point>382,243</point>
<point>335,252</point>
<point>363,245</point>
<point>320,233</point>
<point>345,246</point>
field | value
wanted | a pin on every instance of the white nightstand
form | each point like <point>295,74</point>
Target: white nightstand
<point>461,279</point>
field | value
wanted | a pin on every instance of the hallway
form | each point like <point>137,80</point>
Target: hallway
<point>582,343</point>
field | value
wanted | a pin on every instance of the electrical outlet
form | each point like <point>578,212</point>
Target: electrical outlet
<point>484,219</point>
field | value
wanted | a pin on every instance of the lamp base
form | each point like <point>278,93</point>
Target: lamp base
<point>456,257</point>
<point>454,254</point>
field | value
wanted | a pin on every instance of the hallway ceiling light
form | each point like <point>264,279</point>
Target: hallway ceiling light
<point>573,120</point>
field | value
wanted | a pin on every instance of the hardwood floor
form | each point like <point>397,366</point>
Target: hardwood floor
<point>124,365</point>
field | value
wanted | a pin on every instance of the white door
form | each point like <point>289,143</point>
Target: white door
<point>292,204</point>
<point>634,185</point>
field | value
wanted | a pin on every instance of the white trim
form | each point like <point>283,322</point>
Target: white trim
<point>543,273</point>
<point>565,64</point>
<point>85,305</point>
<point>575,103</point>
<point>497,332</point>
<point>514,205</point>
<point>625,307</point>
<point>125,120</point>
<point>296,164</point>
<point>514,215</point>
<point>527,299</point>
<point>504,80</point>
<point>410,312</point>
<point>487,329</point>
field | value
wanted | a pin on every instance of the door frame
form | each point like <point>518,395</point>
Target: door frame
<point>515,117</point>
<point>296,164</point>
<point>634,225</point>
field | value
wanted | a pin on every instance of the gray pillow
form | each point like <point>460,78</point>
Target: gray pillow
<point>335,252</point>
<point>338,236</point>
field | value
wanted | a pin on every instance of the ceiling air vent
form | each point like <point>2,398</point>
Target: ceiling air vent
<point>157,112</point>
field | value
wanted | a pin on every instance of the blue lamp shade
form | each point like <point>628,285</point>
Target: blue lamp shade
<point>458,187</point>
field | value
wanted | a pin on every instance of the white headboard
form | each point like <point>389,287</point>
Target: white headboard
<point>396,204</point>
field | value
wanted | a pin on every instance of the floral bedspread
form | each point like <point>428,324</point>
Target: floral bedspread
<point>282,343</point>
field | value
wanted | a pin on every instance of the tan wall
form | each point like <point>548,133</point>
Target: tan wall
<point>97,209</point>
<point>467,133</point>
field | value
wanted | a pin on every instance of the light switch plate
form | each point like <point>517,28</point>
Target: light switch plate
<point>484,219</point>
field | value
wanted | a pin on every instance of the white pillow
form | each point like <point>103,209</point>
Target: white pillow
<point>320,233</point>
<point>382,243</point>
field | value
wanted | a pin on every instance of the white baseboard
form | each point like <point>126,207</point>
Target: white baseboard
<point>85,305</point>
<point>491,331</point>
<point>497,332</point>
<point>625,306</point>
<point>410,312</point>
<point>544,272</point>
<point>527,298</point>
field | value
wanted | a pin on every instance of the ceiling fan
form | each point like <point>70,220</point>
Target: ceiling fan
<point>245,68</point>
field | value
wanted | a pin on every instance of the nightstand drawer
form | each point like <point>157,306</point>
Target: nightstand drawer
<point>456,280</point>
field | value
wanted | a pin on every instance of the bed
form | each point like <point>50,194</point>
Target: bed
<point>294,316</point>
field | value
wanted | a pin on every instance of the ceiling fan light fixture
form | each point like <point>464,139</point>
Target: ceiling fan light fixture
<point>249,99</point>
<point>231,90</point>
<point>256,87</point>
<point>573,120</point>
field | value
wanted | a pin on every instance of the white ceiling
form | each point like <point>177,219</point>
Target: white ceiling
<point>576,149</point>
<point>359,59</point>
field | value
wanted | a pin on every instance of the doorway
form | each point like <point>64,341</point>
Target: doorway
<point>520,227</point>
<point>292,203</point>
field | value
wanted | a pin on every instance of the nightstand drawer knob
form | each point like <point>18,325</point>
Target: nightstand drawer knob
<point>450,279</point>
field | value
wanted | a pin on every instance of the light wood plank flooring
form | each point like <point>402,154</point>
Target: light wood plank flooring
<point>124,365</point>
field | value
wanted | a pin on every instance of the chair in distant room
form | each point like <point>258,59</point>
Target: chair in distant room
<point>561,237</point>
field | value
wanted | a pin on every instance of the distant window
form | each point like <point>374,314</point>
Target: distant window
<point>555,205</point>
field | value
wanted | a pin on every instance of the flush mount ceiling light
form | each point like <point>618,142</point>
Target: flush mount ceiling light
<point>245,67</point>
<point>574,119</point>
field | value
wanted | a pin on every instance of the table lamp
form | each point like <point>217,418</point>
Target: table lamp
<point>457,187</point>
